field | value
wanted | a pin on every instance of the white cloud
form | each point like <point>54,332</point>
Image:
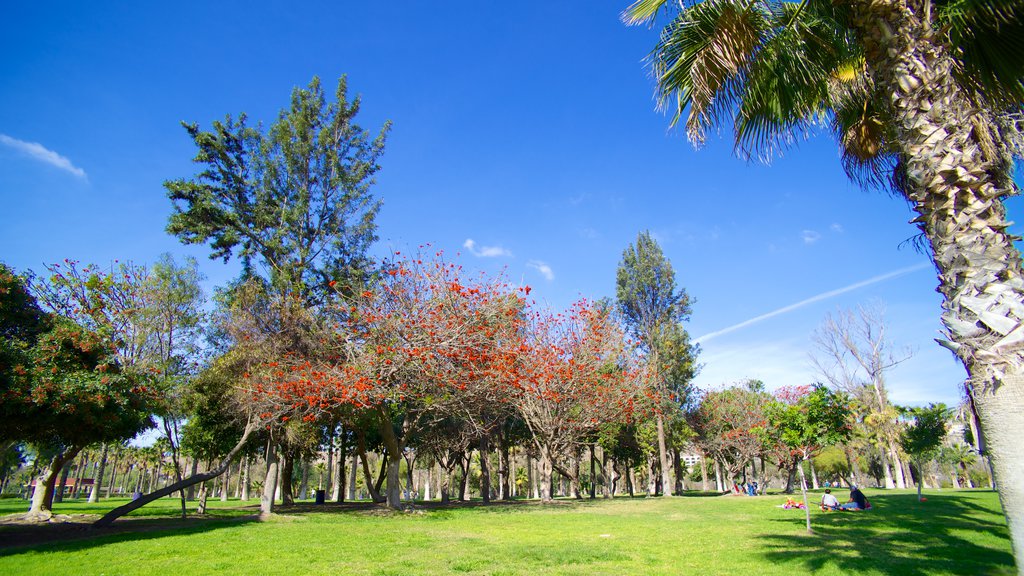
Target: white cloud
<point>484,251</point>
<point>810,236</point>
<point>836,227</point>
<point>41,153</point>
<point>811,300</point>
<point>543,268</point>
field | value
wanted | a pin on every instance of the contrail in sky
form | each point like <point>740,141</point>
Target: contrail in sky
<point>811,300</point>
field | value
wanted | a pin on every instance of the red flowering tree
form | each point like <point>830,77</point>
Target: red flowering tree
<point>726,423</point>
<point>578,375</point>
<point>62,387</point>
<point>422,344</point>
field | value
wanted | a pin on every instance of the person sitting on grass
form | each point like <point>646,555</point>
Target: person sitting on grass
<point>857,500</point>
<point>829,502</point>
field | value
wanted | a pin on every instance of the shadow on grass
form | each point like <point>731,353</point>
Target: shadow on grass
<point>78,533</point>
<point>899,535</point>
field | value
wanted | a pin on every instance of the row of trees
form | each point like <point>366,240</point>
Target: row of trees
<point>313,342</point>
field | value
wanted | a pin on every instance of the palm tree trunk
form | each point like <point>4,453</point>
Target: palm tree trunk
<point>958,171</point>
<point>97,483</point>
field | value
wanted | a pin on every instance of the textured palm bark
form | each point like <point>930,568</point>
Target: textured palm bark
<point>958,169</point>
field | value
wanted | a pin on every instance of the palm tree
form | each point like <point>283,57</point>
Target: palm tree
<point>922,95</point>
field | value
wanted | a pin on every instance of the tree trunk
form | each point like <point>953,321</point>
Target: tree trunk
<point>663,457</point>
<point>83,465</point>
<point>608,486</point>
<point>330,461</point>
<point>531,477</point>
<point>803,489</point>
<point>287,472</point>
<point>393,449</point>
<point>113,475</point>
<point>370,487</point>
<point>958,170</point>
<point>897,466</point>
<point>505,472</point>
<point>718,476</point>
<point>427,479</point>
<point>97,483</point>
<point>544,469</point>
<point>814,474</point>
<point>191,481</point>
<point>919,480</point>
<point>448,467</point>
<point>42,498</point>
<point>58,493</point>
<point>485,470</point>
<point>342,452</point>
<point>269,480</point>
<point>703,473</point>
<point>352,478</point>
<point>967,475</point>
<point>245,478</point>
<point>191,493</point>
<point>226,485</point>
<point>886,470</point>
<point>652,477</point>
<point>464,461</point>
<point>677,467</point>
<point>304,479</point>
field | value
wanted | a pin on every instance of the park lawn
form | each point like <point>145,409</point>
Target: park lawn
<point>952,533</point>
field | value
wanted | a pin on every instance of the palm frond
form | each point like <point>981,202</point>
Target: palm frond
<point>789,84</point>
<point>642,12</point>
<point>987,37</point>
<point>701,58</point>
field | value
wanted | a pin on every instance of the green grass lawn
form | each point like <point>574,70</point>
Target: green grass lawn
<point>952,533</point>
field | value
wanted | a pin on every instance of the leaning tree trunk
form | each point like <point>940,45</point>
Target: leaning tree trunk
<point>959,170</point>
<point>116,513</point>
<point>42,498</point>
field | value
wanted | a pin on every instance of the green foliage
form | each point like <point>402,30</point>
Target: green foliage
<point>213,427</point>
<point>72,393</point>
<point>819,418</point>
<point>923,435</point>
<point>21,318</point>
<point>831,462</point>
<point>296,196</point>
<point>646,291</point>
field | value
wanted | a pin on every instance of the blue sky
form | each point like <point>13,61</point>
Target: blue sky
<point>527,128</point>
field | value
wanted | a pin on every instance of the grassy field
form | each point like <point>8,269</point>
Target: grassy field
<point>951,533</point>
